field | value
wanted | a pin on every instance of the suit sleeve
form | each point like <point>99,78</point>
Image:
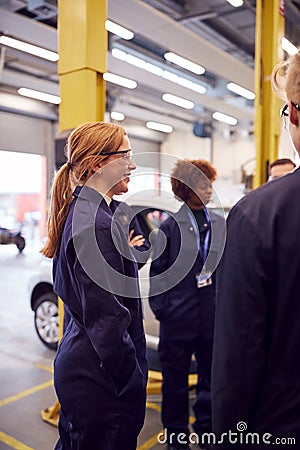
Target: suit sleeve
<point>239,344</point>
<point>105,319</point>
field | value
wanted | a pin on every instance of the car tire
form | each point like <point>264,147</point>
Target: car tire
<point>46,320</point>
<point>20,243</point>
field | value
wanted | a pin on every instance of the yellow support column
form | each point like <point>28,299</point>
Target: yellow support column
<point>269,33</point>
<point>82,61</point>
<point>82,43</point>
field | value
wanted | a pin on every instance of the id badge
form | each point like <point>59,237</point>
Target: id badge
<point>203,279</point>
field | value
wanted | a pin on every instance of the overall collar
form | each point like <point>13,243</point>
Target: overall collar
<point>90,194</point>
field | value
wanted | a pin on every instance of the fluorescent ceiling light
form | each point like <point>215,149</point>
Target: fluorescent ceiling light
<point>118,30</point>
<point>183,82</point>
<point>137,62</point>
<point>156,70</point>
<point>288,47</point>
<point>224,118</point>
<point>178,101</point>
<point>185,63</point>
<point>159,127</point>
<point>191,85</point>
<point>152,68</point>
<point>170,76</point>
<point>235,3</point>
<point>39,95</point>
<point>117,116</point>
<point>119,54</point>
<point>237,89</point>
<point>29,48</point>
<point>122,81</point>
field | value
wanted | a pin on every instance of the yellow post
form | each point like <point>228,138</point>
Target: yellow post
<point>82,47</point>
<point>269,33</point>
<point>82,61</point>
<point>82,43</point>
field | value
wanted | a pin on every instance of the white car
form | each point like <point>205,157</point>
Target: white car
<point>43,302</point>
<point>150,212</point>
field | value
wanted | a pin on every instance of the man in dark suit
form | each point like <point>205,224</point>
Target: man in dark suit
<point>256,365</point>
<point>280,167</point>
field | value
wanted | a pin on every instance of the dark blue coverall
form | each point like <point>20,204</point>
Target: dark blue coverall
<point>100,370</point>
<point>186,315</point>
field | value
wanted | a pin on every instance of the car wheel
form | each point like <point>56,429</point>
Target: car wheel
<point>20,243</point>
<point>46,319</point>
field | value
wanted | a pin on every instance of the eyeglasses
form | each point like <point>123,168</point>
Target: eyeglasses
<point>126,154</point>
<point>284,114</point>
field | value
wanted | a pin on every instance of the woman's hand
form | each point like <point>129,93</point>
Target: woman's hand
<point>135,241</point>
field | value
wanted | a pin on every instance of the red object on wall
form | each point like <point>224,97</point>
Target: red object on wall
<point>26,203</point>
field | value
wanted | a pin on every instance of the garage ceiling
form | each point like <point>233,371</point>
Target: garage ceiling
<point>211,33</point>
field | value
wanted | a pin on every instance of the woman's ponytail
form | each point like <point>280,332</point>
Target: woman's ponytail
<point>61,198</point>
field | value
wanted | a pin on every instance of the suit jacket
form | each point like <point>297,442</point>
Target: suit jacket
<point>256,364</point>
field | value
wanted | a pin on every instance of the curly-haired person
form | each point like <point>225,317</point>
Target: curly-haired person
<point>183,302</point>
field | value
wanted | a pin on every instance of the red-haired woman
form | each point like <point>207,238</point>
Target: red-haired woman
<point>100,370</point>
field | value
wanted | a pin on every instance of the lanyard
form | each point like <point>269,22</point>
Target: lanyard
<point>202,252</point>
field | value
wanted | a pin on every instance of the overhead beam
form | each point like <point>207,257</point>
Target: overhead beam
<point>142,100</point>
<point>20,105</point>
<point>167,33</point>
<point>152,24</point>
<point>17,80</point>
<point>148,79</point>
<point>28,30</point>
<point>39,67</point>
<point>145,115</point>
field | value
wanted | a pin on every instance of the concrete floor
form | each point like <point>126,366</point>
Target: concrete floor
<point>26,364</point>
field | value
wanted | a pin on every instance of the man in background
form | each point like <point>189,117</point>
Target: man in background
<point>280,167</point>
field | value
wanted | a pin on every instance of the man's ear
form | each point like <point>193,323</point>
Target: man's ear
<point>294,116</point>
